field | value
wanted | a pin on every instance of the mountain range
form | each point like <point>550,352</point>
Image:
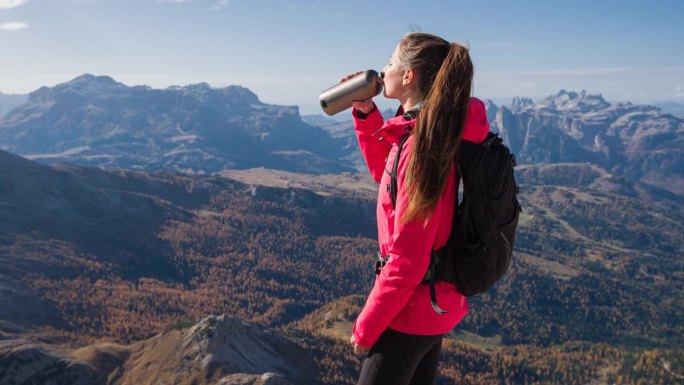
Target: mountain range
<point>96,121</point>
<point>635,141</point>
<point>109,269</point>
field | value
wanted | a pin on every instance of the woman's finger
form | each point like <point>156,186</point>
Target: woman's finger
<point>344,79</point>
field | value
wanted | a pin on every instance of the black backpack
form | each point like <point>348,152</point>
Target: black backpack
<point>480,246</point>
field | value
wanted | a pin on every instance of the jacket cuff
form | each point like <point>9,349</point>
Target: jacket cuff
<point>360,340</point>
<point>361,115</point>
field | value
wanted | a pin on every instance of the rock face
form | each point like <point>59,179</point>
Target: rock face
<point>222,346</point>
<point>97,121</point>
<point>638,142</point>
<point>218,350</point>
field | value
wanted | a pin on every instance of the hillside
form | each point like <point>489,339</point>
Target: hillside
<point>120,256</point>
<point>183,245</point>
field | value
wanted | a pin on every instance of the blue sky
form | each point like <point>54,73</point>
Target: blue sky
<point>287,51</point>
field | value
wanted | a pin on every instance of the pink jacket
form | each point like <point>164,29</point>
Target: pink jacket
<point>398,301</point>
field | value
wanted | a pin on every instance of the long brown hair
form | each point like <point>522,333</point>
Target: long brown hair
<point>445,76</point>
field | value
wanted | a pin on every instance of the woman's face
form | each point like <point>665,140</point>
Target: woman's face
<point>393,81</point>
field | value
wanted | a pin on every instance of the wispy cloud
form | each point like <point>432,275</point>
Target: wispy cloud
<point>7,4</point>
<point>586,72</point>
<point>16,26</point>
<point>578,71</point>
<point>497,45</point>
<point>220,5</point>
<point>679,91</point>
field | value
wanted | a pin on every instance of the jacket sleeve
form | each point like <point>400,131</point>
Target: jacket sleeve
<point>373,147</point>
<point>409,258</point>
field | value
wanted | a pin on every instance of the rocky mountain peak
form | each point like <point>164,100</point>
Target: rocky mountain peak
<point>91,85</point>
<point>218,350</point>
<point>240,93</point>
<point>222,346</point>
<point>491,109</point>
<point>236,94</point>
<point>84,86</point>
<point>94,80</point>
<point>206,342</point>
<point>573,101</point>
<point>521,103</point>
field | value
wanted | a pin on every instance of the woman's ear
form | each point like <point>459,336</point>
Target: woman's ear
<point>408,77</point>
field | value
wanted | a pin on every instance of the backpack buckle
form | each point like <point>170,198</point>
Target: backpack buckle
<point>380,263</point>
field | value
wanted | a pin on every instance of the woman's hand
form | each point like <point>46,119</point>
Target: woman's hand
<point>365,106</point>
<point>358,349</point>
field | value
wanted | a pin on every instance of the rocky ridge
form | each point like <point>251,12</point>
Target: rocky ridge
<point>217,350</point>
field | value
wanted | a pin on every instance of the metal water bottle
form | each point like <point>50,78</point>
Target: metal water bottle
<point>341,96</point>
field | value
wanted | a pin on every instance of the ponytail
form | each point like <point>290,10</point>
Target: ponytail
<point>437,133</point>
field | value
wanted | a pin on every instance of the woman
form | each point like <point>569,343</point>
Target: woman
<point>398,328</point>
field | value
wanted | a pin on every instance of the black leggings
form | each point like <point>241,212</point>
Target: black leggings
<point>402,359</point>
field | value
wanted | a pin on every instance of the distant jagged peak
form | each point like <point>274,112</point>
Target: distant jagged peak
<point>489,104</point>
<point>232,93</point>
<point>198,86</point>
<point>240,92</point>
<point>491,108</point>
<point>91,83</point>
<point>574,101</point>
<point>521,103</point>
<point>94,79</point>
<point>86,84</point>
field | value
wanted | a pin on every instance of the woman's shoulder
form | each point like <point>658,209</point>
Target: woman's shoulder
<point>476,126</point>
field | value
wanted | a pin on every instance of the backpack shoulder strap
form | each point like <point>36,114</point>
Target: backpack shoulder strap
<point>395,169</point>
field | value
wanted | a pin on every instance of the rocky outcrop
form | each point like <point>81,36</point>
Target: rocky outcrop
<point>218,350</point>
<point>221,346</point>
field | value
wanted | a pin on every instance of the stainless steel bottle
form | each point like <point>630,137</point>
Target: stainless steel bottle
<point>341,96</point>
